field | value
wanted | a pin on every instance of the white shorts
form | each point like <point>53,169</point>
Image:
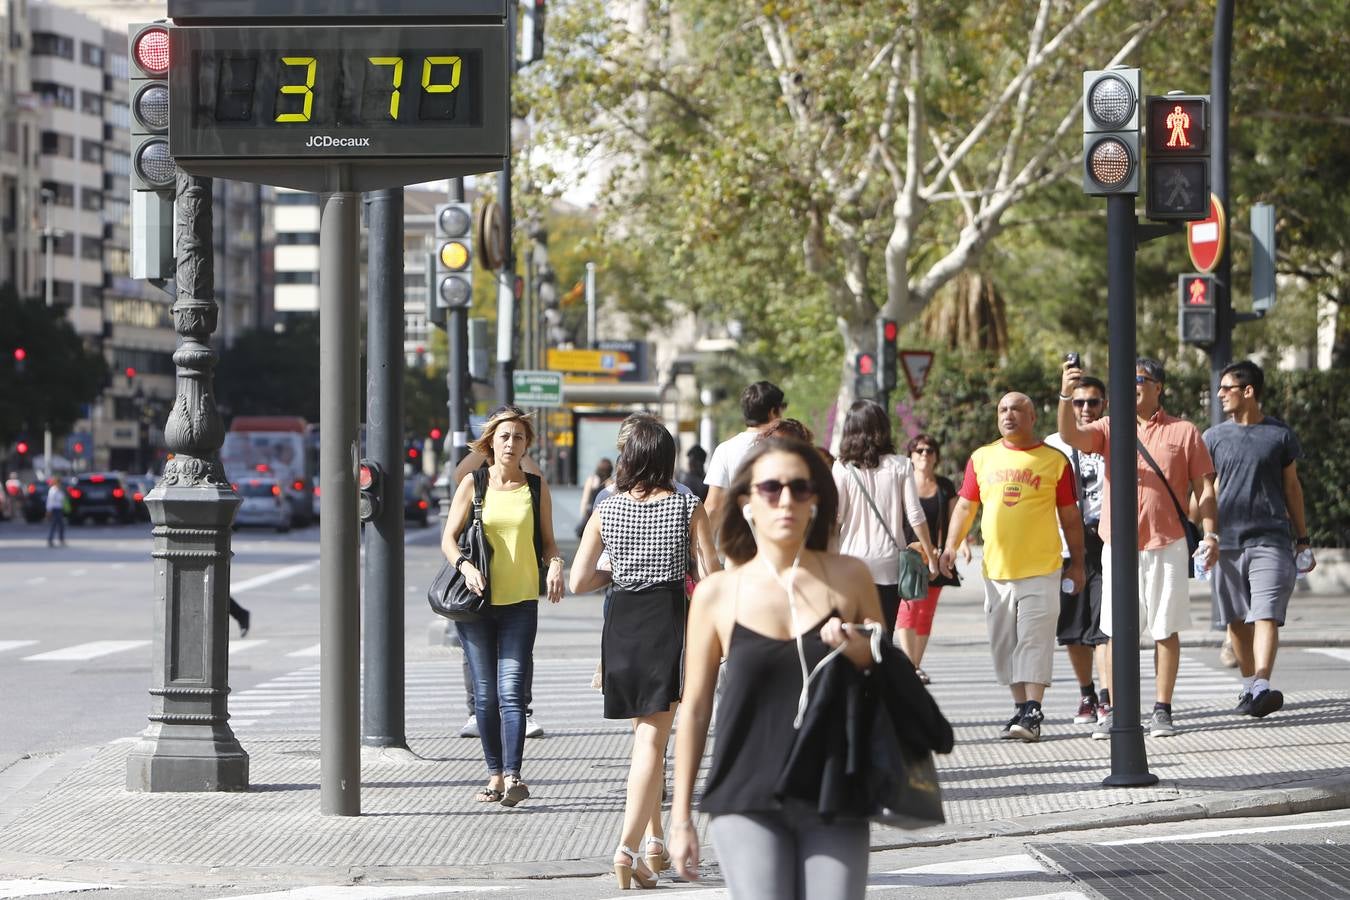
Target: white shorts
<point>1022,615</point>
<point>1164,590</point>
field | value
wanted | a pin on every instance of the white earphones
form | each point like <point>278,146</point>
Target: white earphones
<point>813,512</point>
<point>745,511</point>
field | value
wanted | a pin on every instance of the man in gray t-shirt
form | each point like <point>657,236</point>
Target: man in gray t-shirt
<point>1261,514</point>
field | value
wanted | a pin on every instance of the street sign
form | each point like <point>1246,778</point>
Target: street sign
<point>538,388</point>
<point>599,362</point>
<point>916,364</point>
<point>1204,238</point>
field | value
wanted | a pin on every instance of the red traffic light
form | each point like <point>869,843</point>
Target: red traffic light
<point>866,364</point>
<point>436,434</point>
<point>1177,125</point>
<point>413,453</point>
<point>20,354</point>
<point>21,447</point>
<point>365,476</point>
<point>890,330</point>
<point>150,49</point>
<point>130,372</point>
<point>1196,291</point>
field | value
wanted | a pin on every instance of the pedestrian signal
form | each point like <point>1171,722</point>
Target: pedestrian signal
<point>370,482</point>
<point>888,333</point>
<point>1178,157</point>
<point>1197,317</point>
<point>865,384</point>
<point>1111,132</point>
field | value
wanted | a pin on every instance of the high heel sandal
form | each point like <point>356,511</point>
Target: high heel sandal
<point>635,870</point>
<point>658,860</point>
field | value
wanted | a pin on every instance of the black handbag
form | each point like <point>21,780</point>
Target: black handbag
<point>449,594</point>
<point>1192,533</point>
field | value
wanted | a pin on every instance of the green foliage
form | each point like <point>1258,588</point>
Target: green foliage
<point>272,373</point>
<point>1317,406</point>
<point>60,373</point>
<point>425,399</point>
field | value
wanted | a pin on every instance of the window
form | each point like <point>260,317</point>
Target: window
<point>63,244</point>
<point>91,248</point>
<point>298,238</point>
<point>47,44</point>
<point>296,278</point>
<point>63,194</point>
<point>56,144</point>
<point>53,94</point>
<point>117,212</point>
<point>91,103</point>
<point>119,114</point>
<point>286,198</point>
<point>118,262</point>
<point>91,55</point>
<point>91,151</point>
<point>91,200</point>
<point>118,162</point>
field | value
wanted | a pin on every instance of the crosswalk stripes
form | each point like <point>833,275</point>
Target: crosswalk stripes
<point>366,892</point>
<point>15,645</point>
<point>82,652</point>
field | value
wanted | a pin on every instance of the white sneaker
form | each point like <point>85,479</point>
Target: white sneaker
<point>470,729</point>
<point>532,728</point>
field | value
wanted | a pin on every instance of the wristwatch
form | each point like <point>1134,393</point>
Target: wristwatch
<point>1212,534</point>
<point>461,561</point>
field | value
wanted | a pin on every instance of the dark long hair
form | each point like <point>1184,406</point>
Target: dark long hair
<point>867,435</point>
<point>736,540</point>
<point>647,459</point>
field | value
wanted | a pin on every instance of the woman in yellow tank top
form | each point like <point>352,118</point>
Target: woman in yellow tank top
<point>499,646</point>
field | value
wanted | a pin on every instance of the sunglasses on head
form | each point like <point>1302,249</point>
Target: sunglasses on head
<point>771,489</point>
<point>1093,402</point>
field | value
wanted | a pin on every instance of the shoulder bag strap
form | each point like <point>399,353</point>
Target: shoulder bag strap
<point>536,490</point>
<point>868,497</point>
<point>1143,451</point>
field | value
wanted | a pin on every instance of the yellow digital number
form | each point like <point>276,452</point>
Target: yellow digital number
<point>397,63</point>
<point>454,62</point>
<point>311,66</point>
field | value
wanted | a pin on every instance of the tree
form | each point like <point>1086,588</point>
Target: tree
<point>272,373</point>
<point>796,162</point>
<point>60,374</point>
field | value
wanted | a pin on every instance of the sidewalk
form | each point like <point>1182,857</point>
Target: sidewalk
<point>71,818</point>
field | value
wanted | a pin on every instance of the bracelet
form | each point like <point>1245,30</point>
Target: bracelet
<point>1211,534</point>
<point>1064,397</point>
<point>461,561</point>
<point>556,559</point>
<point>1302,542</point>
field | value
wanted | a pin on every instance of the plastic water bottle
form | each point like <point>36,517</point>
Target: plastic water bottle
<point>1066,586</point>
<point>1201,570</point>
<point>1303,562</point>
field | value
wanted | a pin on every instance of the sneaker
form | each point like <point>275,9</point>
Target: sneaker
<point>1087,711</point>
<point>245,619</point>
<point>1266,702</point>
<point>1103,712</point>
<point>470,729</point>
<point>1162,724</point>
<point>1028,728</point>
<point>1227,658</point>
<point>1103,730</point>
<point>532,728</point>
<point>1244,704</point>
<point>1006,733</point>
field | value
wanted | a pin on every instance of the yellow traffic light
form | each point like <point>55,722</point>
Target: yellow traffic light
<point>455,256</point>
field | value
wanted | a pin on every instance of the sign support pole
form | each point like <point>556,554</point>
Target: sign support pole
<point>339,537</point>
<point>457,372</point>
<point>1221,354</point>
<point>383,709</point>
<point>1129,762</point>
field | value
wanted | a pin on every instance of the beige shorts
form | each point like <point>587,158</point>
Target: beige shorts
<point>1164,590</point>
<point>1022,615</point>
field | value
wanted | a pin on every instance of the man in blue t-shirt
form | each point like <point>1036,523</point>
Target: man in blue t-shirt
<point>1261,508</point>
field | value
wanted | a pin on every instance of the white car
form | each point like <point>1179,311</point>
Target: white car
<point>264,503</point>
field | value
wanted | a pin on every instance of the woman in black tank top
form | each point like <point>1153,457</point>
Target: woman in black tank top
<point>774,616</point>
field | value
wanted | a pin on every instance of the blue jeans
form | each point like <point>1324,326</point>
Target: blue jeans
<point>58,526</point>
<point>500,648</point>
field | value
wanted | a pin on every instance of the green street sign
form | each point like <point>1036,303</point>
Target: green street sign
<point>538,388</point>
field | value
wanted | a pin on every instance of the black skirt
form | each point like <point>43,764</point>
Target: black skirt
<point>642,650</point>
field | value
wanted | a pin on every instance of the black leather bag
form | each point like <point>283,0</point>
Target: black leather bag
<point>449,594</point>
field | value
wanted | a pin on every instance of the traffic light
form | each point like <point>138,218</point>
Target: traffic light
<point>865,376</point>
<point>532,32</point>
<point>454,255</point>
<point>152,168</point>
<point>370,479</point>
<point>21,448</point>
<point>1197,318</point>
<point>435,434</point>
<point>1177,127</point>
<point>888,332</point>
<point>1111,132</point>
<point>20,360</point>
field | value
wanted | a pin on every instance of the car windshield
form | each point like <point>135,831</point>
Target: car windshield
<point>256,489</point>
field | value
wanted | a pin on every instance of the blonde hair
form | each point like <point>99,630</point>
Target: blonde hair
<point>499,417</point>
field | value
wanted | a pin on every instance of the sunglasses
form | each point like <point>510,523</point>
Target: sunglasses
<point>1093,402</point>
<point>771,489</point>
<point>925,451</point>
<point>1225,388</point>
<point>1140,379</point>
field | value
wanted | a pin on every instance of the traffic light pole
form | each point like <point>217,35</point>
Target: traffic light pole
<point>1129,762</point>
<point>382,723</point>
<point>506,276</point>
<point>457,370</point>
<point>1221,354</point>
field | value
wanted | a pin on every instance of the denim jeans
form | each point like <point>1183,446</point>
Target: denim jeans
<point>58,526</point>
<point>499,648</point>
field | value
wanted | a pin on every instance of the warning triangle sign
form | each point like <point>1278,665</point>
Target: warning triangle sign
<point>916,364</point>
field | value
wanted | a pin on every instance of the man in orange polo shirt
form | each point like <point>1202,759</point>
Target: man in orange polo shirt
<point>1027,489</point>
<point>1164,585</point>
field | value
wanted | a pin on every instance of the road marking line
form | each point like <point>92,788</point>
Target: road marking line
<point>1205,835</point>
<point>91,650</point>
<point>242,723</point>
<point>1334,652</point>
<point>243,645</point>
<point>29,887</point>
<point>1013,864</point>
<point>38,580</point>
<point>14,645</point>
<point>363,892</point>
<point>249,584</point>
<point>308,651</point>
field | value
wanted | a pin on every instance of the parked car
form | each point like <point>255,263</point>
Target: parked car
<point>101,496</point>
<point>27,495</point>
<point>264,503</point>
<point>315,502</point>
<point>139,486</point>
<point>417,502</point>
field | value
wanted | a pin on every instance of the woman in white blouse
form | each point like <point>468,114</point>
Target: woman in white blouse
<point>868,466</point>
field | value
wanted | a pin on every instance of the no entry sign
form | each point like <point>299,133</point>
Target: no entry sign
<point>1204,239</point>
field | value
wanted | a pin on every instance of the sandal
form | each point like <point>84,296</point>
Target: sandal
<point>488,795</point>
<point>517,792</point>
<point>632,870</point>
<point>658,859</point>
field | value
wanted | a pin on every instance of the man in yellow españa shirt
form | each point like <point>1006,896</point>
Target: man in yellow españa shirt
<point>1023,485</point>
